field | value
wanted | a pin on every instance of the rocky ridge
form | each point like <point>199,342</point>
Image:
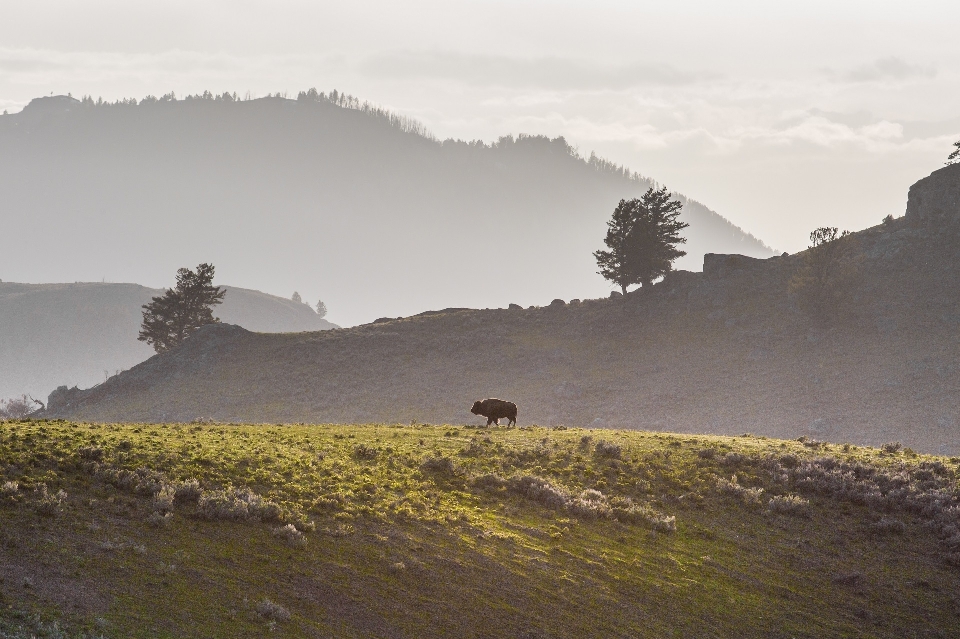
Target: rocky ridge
<point>723,351</point>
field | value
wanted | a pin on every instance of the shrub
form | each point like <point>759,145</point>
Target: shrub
<point>362,451</point>
<point>789,461</point>
<point>290,535</point>
<point>272,611</point>
<point>937,467</point>
<point>48,504</point>
<point>142,481</point>
<point>441,465</point>
<point>664,523</point>
<point>163,500</point>
<point>474,449</point>
<point>608,450</point>
<point>733,459</point>
<point>889,526</point>
<point>590,504</point>
<point>239,504</point>
<point>749,496</point>
<point>891,447</point>
<point>91,453</point>
<point>188,491</point>
<point>707,453</point>
<point>793,505</point>
<point>160,519</point>
<point>489,482</point>
<point>539,490</point>
<point>9,489</point>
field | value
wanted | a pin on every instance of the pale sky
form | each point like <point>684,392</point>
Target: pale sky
<point>780,116</point>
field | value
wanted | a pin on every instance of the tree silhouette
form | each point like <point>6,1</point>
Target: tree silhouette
<point>641,237</point>
<point>19,407</point>
<point>820,284</point>
<point>169,318</point>
<point>955,155</point>
<point>321,309</point>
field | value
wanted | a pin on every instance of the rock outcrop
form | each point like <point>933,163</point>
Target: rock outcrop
<point>935,200</point>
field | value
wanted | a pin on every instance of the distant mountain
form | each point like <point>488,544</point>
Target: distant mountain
<point>78,334</point>
<point>321,194</point>
<point>725,351</point>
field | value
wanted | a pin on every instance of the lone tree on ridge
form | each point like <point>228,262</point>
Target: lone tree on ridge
<point>169,318</point>
<point>641,237</point>
<point>820,284</point>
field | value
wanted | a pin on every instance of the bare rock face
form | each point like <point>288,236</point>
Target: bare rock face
<point>935,200</point>
<point>720,264</point>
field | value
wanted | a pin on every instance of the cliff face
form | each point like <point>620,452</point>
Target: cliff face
<point>935,200</point>
<point>725,351</point>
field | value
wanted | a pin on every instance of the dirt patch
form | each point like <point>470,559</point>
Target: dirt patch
<point>23,578</point>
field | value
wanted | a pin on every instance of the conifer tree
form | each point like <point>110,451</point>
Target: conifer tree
<point>169,318</point>
<point>641,237</point>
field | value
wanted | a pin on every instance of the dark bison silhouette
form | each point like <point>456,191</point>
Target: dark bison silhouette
<point>495,409</point>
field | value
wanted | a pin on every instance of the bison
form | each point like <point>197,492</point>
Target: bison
<point>495,409</point>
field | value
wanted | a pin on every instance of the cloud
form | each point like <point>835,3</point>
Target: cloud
<point>888,69</point>
<point>554,73</point>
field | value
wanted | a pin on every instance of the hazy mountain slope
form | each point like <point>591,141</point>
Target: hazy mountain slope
<point>726,351</point>
<point>53,334</point>
<point>311,196</point>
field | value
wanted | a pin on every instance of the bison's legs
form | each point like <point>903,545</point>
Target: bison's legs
<point>489,420</point>
<point>513,420</point>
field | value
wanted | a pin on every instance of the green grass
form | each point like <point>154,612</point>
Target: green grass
<point>422,531</point>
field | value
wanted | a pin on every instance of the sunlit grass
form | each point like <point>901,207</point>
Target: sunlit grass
<point>423,530</point>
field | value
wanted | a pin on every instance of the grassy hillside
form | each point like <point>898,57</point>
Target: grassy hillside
<point>724,351</point>
<point>392,530</point>
<point>56,334</point>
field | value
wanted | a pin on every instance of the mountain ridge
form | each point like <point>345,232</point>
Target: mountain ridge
<point>335,201</point>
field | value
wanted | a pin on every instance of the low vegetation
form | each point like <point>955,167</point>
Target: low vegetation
<point>202,530</point>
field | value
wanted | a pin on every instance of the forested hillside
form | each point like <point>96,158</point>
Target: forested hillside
<point>78,334</point>
<point>317,194</point>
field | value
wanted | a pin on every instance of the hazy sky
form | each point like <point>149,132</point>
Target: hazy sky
<point>780,116</point>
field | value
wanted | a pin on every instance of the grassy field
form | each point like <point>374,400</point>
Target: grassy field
<point>224,530</point>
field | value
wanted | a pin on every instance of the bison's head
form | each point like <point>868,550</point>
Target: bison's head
<point>476,408</point>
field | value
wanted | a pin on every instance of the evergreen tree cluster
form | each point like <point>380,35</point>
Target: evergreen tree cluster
<point>170,318</point>
<point>642,238</point>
